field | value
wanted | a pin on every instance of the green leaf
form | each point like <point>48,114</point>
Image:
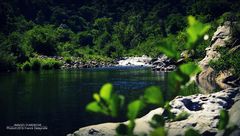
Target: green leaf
<point>190,69</point>
<point>195,31</point>
<point>106,91</point>
<point>134,108</point>
<point>157,121</point>
<point>94,107</point>
<point>191,132</point>
<point>153,95</point>
<point>122,129</point>
<point>96,97</point>
<point>224,118</point>
<point>183,115</point>
<point>115,104</point>
<point>169,48</point>
<point>159,132</point>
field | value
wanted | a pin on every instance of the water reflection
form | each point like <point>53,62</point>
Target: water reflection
<point>58,98</point>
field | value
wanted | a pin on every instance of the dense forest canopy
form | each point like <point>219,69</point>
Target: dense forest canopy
<point>92,29</point>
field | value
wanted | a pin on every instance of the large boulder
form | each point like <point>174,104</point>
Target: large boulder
<point>203,112</point>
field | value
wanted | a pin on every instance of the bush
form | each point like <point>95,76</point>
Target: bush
<point>35,64</point>
<point>50,64</point>
<point>42,39</point>
<point>46,66</point>
<point>68,60</point>
<point>26,66</point>
<point>227,61</point>
<point>57,65</point>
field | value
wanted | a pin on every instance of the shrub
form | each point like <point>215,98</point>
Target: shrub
<point>35,64</point>
<point>57,65</point>
<point>26,66</point>
<point>46,66</point>
<point>50,64</point>
<point>68,60</point>
<point>227,61</point>
<point>42,39</point>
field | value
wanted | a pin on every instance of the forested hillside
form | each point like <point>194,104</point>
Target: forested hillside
<point>93,29</point>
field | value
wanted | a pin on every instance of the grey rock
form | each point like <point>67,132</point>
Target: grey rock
<point>204,119</point>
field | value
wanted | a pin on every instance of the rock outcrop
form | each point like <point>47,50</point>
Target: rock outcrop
<point>163,63</point>
<point>221,38</point>
<point>203,115</point>
<point>208,78</point>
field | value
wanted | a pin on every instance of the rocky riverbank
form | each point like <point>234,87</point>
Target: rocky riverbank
<point>203,110</point>
<point>77,63</point>
<point>135,61</point>
<point>161,63</point>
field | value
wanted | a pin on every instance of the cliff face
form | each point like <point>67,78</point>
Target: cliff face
<point>209,79</point>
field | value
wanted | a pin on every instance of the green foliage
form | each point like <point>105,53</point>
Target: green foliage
<point>134,108</point>
<point>159,132</point>
<point>153,95</point>
<point>190,69</point>
<point>191,132</point>
<point>157,121</point>
<point>224,118</point>
<point>50,64</point>
<point>195,31</point>
<point>182,116</point>
<point>6,62</point>
<point>68,60</point>
<point>224,124</point>
<point>175,23</point>
<point>26,66</point>
<point>35,64</point>
<point>106,102</point>
<point>103,24</point>
<point>42,39</point>
<point>85,38</point>
<point>169,48</point>
<point>227,61</point>
<point>122,129</point>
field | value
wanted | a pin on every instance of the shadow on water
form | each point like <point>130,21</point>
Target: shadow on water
<point>57,99</point>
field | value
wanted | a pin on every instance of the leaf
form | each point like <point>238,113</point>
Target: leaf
<point>191,132</point>
<point>224,118</point>
<point>169,48</point>
<point>190,69</point>
<point>106,91</point>
<point>195,31</point>
<point>122,129</point>
<point>154,95</point>
<point>183,115</point>
<point>134,108</point>
<point>115,104</point>
<point>157,121</point>
<point>94,107</point>
<point>96,97</point>
<point>159,132</point>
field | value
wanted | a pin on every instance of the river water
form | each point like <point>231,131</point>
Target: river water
<point>56,100</point>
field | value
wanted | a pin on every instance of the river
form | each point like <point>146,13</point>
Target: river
<point>57,99</point>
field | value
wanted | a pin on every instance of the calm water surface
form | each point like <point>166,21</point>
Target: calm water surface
<point>57,99</point>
